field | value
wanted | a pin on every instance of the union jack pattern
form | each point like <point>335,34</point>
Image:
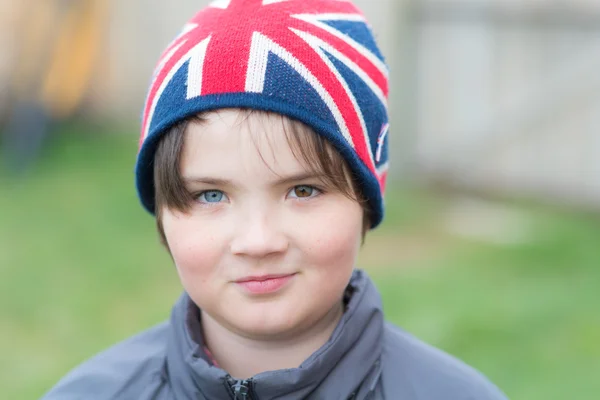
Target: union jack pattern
<point>250,46</point>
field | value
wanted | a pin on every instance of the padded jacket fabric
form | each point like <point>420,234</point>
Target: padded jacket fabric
<point>365,358</point>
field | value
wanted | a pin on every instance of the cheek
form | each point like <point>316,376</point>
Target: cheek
<point>195,251</point>
<point>335,238</point>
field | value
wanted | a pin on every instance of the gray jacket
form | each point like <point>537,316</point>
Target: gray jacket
<point>365,358</point>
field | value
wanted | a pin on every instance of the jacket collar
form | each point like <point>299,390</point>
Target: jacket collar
<point>347,362</point>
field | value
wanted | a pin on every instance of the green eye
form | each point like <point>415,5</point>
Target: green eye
<point>303,191</point>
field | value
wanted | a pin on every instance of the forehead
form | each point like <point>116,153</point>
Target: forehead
<point>236,142</point>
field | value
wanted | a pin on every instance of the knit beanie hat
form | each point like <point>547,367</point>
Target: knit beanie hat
<point>315,61</point>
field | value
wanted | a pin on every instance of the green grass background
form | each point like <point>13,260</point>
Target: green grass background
<point>81,268</point>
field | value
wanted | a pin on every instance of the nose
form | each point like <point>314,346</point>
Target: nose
<point>258,235</point>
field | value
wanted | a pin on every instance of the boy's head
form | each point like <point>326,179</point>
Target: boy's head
<point>264,157</point>
<point>314,61</point>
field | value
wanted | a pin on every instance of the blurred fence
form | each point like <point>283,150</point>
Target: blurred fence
<point>509,96</point>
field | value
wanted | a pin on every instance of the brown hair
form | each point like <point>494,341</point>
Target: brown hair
<point>314,151</point>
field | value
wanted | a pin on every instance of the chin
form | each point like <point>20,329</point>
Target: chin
<point>268,320</point>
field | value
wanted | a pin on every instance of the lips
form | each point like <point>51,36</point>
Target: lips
<point>264,284</point>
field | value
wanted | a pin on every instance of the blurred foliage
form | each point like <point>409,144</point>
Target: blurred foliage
<point>81,268</point>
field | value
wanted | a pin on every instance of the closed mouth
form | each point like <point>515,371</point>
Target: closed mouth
<point>261,278</point>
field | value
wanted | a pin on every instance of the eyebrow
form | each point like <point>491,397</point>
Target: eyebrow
<point>225,182</point>
<point>207,180</point>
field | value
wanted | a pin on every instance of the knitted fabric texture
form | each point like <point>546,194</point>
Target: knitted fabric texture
<point>311,60</point>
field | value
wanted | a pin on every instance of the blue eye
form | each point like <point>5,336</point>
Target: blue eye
<point>303,192</point>
<point>211,196</point>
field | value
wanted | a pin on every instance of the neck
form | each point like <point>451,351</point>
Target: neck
<point>243,357</point>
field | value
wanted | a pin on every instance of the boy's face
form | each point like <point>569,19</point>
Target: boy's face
<point>256,216</point>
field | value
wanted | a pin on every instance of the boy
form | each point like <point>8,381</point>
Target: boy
<point>264,158</point>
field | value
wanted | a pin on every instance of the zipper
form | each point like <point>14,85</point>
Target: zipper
<point>241,389</point>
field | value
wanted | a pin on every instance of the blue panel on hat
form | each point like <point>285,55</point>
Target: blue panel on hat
<point>374,112</point>
<point>173,98</point>
<point>359,32</point>
<point>286,84</point>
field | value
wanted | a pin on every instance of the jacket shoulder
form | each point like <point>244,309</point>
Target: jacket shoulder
<point>413,369</point>
<point>128,370</point>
